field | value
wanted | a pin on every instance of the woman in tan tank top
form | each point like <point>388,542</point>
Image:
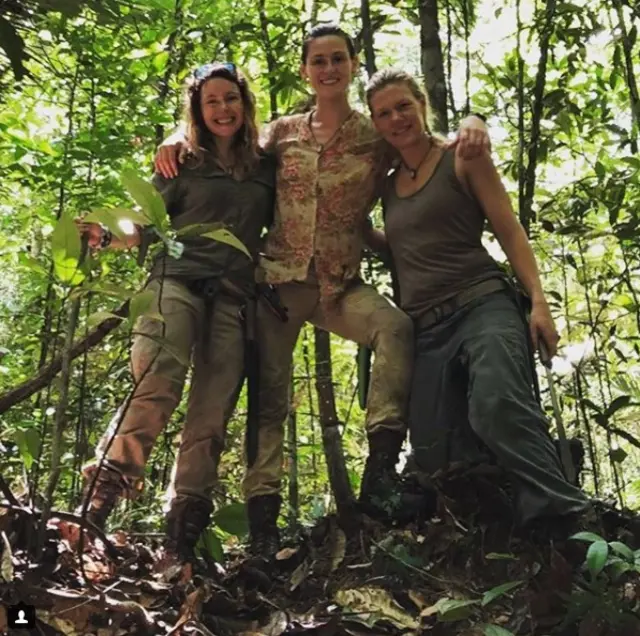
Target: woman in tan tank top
<point>473,360</point>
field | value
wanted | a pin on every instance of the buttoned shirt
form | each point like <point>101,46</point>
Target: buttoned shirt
<point>323,197</point>
<point>203,194</point>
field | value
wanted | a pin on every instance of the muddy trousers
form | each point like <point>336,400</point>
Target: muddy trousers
<point>361,315</point>
<point>160,358</point>
<point>473,369</point>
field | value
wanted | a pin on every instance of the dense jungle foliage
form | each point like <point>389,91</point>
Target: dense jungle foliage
<point>89,89</point>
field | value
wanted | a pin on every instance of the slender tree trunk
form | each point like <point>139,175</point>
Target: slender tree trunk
<point>367,38</point>
<point>61,413</point>
<point>526,209</point>
<point>331,437</point>
<point>292,438</point>
<point>433,62</point>
<point>272,67</point>
<point>632,84</point>
<point>521,131</point>
<point>174,62</point>
<point>306,355</point>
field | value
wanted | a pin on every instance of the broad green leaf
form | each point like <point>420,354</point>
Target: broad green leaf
<point>112,219</point>
<point>622,549</point>
<point>140,304</point>
<point>597,557</point>
<point>617,404</point>
<point>232,519</point>
<point>224,236</point>
<point>496,630</point>
<point>451,610</point>
<point>147,197</point>
<point>589,537</point>
<point>197,229</point>
<point>100,316</point>
<point>498,591</point>
<point>65,248</point>
<point>210,542</point>
<point>28,441</point>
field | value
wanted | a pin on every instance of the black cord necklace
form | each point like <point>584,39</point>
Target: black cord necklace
<point>413,172</point>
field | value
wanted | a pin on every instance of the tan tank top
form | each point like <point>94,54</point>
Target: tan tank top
<point>435,239</point>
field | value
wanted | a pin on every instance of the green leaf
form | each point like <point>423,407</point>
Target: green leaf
<point>28,441</point>
<point>147,197</point>
<point>141,304</point>
<point>100,316</point>
<point>197,229</point>
<point>13,46</point>
<point>112,218</point>
<point>597,557</point>
<point>450,610</point>
<point>232,519</point>
<point>65,249</point>
<point>618,455</point>
<point>496,630</point>
<point>224,236</point>
<point>498,591</point>
<point>210,542</point>
<point>589,537</point>
<point>619,403</point>
<point>623,550</point>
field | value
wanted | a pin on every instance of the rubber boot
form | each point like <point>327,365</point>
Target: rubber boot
<point>264,539</point>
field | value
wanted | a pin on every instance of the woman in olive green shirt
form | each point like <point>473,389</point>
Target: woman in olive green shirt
<point>200,295</point>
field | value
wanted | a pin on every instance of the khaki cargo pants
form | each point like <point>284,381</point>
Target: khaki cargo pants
<point>361,315</point>
<point>159,372</point>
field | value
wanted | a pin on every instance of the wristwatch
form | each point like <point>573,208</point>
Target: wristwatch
<point>479,116</point>
<point>105,238</point>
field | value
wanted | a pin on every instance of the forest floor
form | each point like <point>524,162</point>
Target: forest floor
<point>465,572</point>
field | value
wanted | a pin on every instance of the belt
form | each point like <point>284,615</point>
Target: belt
<point>449,307</point>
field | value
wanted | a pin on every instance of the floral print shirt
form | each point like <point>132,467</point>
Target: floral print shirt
<point>323,198</point>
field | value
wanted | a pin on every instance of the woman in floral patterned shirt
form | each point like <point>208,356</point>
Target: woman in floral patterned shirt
<point>330,161</point>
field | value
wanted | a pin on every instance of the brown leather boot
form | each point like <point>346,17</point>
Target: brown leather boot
<point>109,487</point>
<point>264,537</point>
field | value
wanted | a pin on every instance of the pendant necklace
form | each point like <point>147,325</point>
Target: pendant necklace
<point>413,172</point>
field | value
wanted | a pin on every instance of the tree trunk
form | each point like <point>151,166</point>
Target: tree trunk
<point>433,63</point>
<point>367,38</point>
<point>627,48</point>
<point>331,437</point>
<point>526,211</point>
<point>271,60</point>
<point>292,438</point>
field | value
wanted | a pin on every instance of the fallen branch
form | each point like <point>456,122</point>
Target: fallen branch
<point>48,372</point>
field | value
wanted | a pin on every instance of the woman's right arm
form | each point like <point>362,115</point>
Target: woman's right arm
<point>100,238</point>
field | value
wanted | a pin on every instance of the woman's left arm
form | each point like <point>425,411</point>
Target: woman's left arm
<point>485,183</point>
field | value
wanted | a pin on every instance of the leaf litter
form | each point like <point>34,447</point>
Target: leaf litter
<point>463,572</point>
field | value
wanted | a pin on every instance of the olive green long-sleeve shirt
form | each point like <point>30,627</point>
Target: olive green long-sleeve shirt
<point>204,193</point>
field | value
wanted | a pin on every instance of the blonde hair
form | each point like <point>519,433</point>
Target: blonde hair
<point>387,76</point>
<point>245,147</point>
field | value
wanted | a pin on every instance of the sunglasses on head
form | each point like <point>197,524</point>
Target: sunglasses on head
<point>206,69</point>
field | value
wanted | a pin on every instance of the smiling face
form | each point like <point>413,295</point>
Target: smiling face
<point>398,115</point>
<point>328,66</point>
<point>222,107</point>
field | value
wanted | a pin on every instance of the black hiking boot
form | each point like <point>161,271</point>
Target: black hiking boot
<point>381,486</point>
<point>109,487</point>
<point>186,520</point>
<point>384,494</point>
<point>264,539</point>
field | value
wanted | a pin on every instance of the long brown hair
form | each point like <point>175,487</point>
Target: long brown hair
<point>387,76</point>
<point>244,145</point>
